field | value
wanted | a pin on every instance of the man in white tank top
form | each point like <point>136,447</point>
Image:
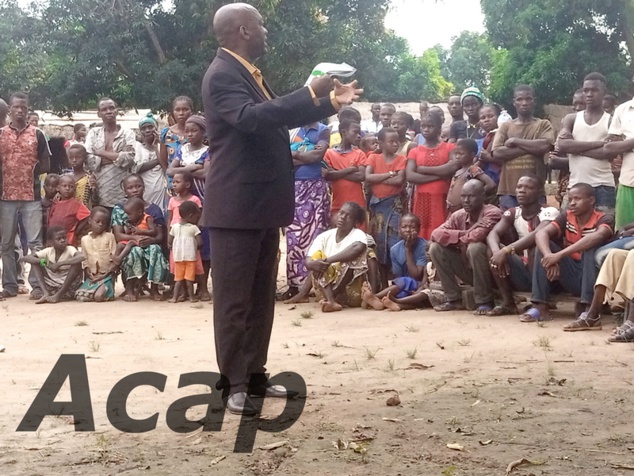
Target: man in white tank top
<point>512,265</point>
<point>582,137</point>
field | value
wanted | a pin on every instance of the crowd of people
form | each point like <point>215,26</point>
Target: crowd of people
<point>383,207</point>
<point>386,206</point>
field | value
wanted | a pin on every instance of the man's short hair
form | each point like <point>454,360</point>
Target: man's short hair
<point>594,76</point>
<point>389,105</point>
<point>104,99</point>
<point>18,95</point>
<point>523,88</point>
<point>586,189</point>
<point>468,144</point>
<point>349,112</point>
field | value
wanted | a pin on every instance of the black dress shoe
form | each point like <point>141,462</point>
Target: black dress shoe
<point>275,391</point>
<point>239,403</point>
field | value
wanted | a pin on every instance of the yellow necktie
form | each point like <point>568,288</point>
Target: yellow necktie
<point>257,75</point>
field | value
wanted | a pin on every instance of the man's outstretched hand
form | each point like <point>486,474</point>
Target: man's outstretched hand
<point>346,93</point>
<point>322,85</point>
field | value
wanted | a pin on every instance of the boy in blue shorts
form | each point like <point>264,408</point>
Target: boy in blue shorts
<point>409,260</point>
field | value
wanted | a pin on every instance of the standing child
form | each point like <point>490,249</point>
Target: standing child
<point>193,157</point>
<point>385,173</point>
<point>68,212</point>
<point>489,114</point>
<point>84,186</point>
<point>346,168</point>
<point>428,167</point>
<point>471,100</point>
<point>464,156</point>
<point>173,137</point>
<point>184,240</point>
<point>402,123</point>
<point>98,247</point>
<point>51,195</point>
<point>138,224</point>
<point>181,184</point>
<point>57,267</point>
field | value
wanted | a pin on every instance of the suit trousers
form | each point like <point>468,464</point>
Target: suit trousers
<point>244,273</point>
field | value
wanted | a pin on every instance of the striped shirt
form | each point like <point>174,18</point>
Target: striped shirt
<point>568,227</point>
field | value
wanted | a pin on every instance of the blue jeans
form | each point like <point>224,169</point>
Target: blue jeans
<point>31,214</point>
<point>519,274</point>
<point>620,244</point>
<point>605,198</point>
<point>576,277</point>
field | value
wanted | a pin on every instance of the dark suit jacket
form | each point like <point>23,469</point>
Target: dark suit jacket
<point>250,184</point>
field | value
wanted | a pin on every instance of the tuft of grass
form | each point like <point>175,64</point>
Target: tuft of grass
<point>285,345</point>
<point>297,323</point>
<point>319,355</point>
<point>307,315</point>
<point>541,323</point>
<point>355,366</point>
<point>81,323</point>
<point>336,343</point>
<point>371,354</point>
<point>464,342</point>
<point>390,365</point>
<point>466,360</point>
<point>543,342</point>
<point>159,336</point>
<point>95,346</point>
<point>411,354</point>
<point>411,329</point>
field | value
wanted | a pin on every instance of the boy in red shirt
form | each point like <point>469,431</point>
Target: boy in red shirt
<point>346,168</point>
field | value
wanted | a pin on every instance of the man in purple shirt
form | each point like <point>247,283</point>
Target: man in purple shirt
<point>459,250</point>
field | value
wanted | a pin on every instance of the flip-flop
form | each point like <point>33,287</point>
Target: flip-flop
<point>482,310</point>
<point>582,323</point>
<point>532,315</point>
<point>502,311</point>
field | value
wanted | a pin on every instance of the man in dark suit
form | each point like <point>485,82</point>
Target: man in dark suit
<point>249,194</point>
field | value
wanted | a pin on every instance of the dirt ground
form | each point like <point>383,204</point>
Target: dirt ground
<point>499,389</point>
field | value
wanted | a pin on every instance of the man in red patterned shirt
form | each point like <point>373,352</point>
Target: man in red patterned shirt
<point>24,155</point>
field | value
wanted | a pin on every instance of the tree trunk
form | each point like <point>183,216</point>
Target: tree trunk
<point>156,43</point>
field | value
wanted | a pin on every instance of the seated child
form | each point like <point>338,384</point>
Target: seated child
<point>409,263</point>
<point>68,212</point>
<point>464,154</point>
<point>98,247</point>
<point>185,240</point>
<point>138,224</point>
<point>57,268</point>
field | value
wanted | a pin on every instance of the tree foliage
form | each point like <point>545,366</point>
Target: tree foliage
<point>68,53</point>
<point>469,61</point>
<point>552,45</point>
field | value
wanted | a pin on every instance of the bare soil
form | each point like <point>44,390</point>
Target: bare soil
<point>500,389</point>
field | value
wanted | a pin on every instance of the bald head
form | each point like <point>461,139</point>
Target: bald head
<point>472,196</point>
<point>239,27</point>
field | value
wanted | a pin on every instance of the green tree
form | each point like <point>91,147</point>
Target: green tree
<point>68,53</point>
<point>469,61</point>
<point>552,45</point>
